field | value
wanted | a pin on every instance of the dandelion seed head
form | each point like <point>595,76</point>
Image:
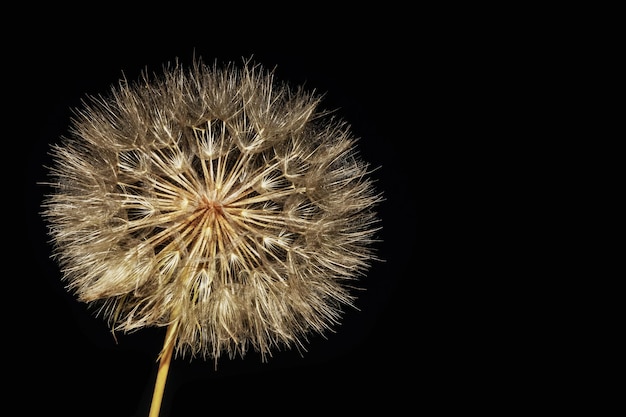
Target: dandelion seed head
<point>216,198</point>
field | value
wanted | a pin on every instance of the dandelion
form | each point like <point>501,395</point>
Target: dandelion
<point>216,202</point>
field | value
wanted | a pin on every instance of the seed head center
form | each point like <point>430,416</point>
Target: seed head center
<point>211,207</point>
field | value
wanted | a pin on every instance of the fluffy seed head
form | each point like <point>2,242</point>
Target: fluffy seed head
<point>214,198</point>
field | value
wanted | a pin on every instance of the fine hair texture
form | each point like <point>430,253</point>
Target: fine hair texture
<point>215,198</point>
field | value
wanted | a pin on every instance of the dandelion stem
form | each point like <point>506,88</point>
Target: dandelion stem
<point>164,366</point>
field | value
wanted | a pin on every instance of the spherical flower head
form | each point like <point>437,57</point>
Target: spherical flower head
<point>216,199</point>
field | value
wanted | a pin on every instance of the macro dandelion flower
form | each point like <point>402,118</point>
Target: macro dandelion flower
<point>214,201</point>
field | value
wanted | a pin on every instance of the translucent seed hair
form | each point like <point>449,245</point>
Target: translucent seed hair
<point>216,202</point>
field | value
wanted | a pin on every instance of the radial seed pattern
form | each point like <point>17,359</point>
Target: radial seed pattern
<point>216,199</point>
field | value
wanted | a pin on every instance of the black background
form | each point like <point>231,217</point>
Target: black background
<point>468,110</point>
<point>68,360</point>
